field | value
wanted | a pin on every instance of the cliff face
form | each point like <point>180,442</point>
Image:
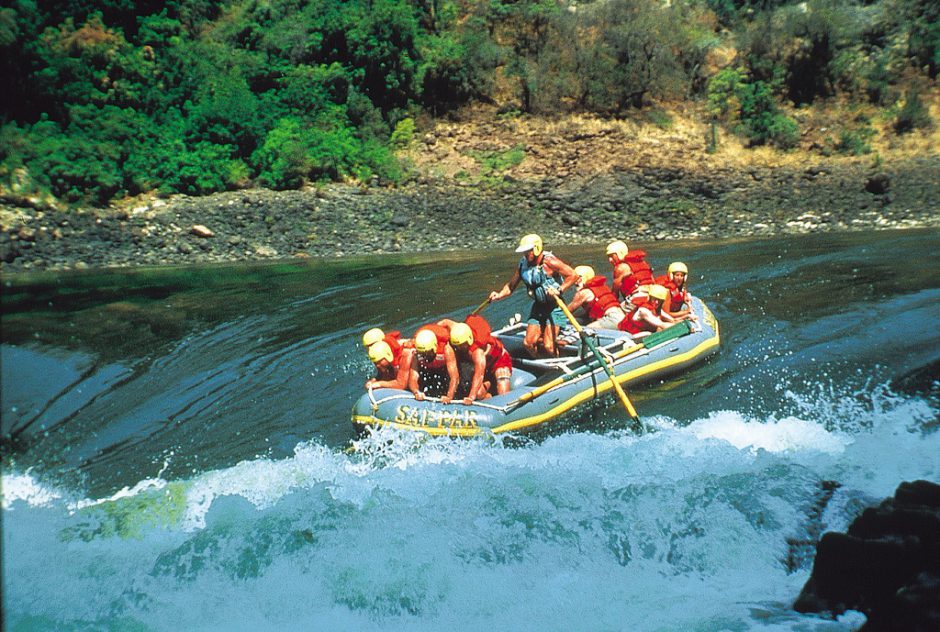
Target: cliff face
<point>887,565</point>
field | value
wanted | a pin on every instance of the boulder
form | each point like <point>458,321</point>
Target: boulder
<point>878,183</point>
<point>886,566</point>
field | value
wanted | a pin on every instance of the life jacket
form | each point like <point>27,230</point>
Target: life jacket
<point>392,338</point>
<point>640,273</point>
<point>537,280</point>
<point>676,296</point>
<point>443,337</point>
<point>483,338</point>
<point>604,298</point>
<point>632,326</point>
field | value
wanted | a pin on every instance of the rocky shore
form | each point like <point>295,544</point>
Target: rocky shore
<point>626,200</point>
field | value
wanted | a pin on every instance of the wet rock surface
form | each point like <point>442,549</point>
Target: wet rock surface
<point>886,566</point>
<point>439,214</point>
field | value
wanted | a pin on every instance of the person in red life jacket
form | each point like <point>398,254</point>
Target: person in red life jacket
<point>545,277</point>
<point>474,343</point>
<point>601,304</point>
<point>433,369</point>
<point>632,274</point>
<point>393,338</point>
<point>389,373</point>
<point>392,373</point>
<point>679,303</point>
<point>648,317</point>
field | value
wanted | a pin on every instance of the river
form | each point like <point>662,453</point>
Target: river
<point>175,448</point>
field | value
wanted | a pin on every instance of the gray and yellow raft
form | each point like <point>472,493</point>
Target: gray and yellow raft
<point>545,390</point>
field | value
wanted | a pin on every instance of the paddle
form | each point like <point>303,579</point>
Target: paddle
<point>480,307</point>
<point>600,358</point>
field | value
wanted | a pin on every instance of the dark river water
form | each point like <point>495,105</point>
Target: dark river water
<point>174,448</point>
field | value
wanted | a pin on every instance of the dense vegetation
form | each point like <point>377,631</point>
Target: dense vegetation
<point>117,97</point>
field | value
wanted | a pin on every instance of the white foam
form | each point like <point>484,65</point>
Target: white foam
<point>774,435</point>
<point>25,488</point>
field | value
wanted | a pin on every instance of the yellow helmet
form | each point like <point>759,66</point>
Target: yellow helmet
<point>618,248</point>
<point>372,336</point>
<point>530,242</point>
<point>425,341</point>
<point>380,351</point>
<point>461,334</point>
<point>585,272</point>
<point>658,291</point>
<point>678,266</point>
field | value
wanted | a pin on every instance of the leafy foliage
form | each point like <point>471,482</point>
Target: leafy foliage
<point>109,97</point>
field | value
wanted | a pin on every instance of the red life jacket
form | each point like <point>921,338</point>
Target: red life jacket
<point>604,297</point>
<point>640,273</point>
<point>392,338</point>
<point>636,326</point>
<point>443,338</point>
<point>676,296</point>
<point>483,338</point>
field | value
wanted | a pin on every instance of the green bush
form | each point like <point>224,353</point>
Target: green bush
<point>403,134</point>
<point>912,115</point>
<point>856,140</point>
<point>750,106</point>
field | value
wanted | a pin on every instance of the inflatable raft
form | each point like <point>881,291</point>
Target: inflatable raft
<point>545,390</point>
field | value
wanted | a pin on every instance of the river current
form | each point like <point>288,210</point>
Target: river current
<point>176,448</point>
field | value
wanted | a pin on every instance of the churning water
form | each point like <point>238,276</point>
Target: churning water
<point>174,449</point>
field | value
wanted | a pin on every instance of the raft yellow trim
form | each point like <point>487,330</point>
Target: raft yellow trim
<point>563,407</point>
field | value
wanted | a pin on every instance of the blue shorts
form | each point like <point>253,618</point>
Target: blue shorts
<point>546,312</point>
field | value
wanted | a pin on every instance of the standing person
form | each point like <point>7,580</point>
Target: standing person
<point>601,304</point>
<point>649,316</point>
<point>545,277</point>
<point>474,343</point>
<point>434,365</point>
<point>675,280</point>
<point>632,273</point>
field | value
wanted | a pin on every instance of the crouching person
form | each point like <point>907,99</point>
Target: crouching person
<point>434,366</point>
<point>474,343</point>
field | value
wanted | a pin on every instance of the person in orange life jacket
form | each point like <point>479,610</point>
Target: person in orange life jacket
<point>675,281</point>
<point>433,368</point>
<point>631,272</point>
<point>545,277</point>
<point>393,371</point>
<point>474,343</point>
<point>649,317</point>
<point>600,303</point>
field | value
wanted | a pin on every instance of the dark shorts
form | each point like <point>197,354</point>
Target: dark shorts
<point>546,312</point>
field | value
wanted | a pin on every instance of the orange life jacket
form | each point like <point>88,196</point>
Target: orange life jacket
<point>632,326</point>
<point>676,296</point>
<point>483,338</point>
<point>640,273</point>
<point>392,339</point>
<point>604,297</point>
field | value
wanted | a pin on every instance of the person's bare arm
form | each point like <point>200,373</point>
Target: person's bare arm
<point>450,360</point>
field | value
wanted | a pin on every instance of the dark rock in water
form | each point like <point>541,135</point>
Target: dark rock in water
<point>887,565</point>
<point>878,183</point>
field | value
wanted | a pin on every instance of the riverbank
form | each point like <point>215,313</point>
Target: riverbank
<point>484,184</point>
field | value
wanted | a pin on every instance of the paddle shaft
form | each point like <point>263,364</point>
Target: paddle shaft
<point>600,358</point>
<point>480,307</point>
